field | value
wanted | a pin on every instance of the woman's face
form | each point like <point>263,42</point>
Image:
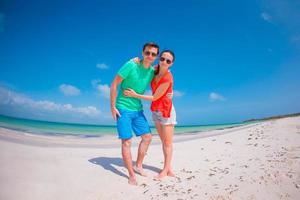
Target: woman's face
<point>166,60</point>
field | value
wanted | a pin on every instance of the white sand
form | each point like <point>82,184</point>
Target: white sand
<point>260,161</point>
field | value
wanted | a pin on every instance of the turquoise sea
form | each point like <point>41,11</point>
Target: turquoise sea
<point>58,128</point>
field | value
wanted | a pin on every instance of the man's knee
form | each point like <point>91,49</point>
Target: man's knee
<point>126,143</point>
<point>147,138</point>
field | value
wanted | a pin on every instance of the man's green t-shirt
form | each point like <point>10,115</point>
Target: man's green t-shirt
<point>136,77</point>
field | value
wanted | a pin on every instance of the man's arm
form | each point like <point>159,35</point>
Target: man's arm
<point>113,94</point>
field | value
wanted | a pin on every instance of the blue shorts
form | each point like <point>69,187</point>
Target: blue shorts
<point>132,120</point>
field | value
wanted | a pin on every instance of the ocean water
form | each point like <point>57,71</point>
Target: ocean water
<point>58,128</point>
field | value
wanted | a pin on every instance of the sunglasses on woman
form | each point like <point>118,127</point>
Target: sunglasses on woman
<point>148,53</point>
<point>162,59</point>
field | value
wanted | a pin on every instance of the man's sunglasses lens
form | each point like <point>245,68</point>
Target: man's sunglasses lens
<point>148,53</point>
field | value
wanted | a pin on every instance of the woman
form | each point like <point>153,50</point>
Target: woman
<point>162,108</point>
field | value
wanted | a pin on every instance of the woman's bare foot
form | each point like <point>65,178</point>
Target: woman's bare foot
<point>139,170</point>
<point>132,180</point>
<point>163,174</point>
<point>170,173</point>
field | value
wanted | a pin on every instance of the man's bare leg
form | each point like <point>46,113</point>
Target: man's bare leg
<point>143,147</point>
<point>126,155</point>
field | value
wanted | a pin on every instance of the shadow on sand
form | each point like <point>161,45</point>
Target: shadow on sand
<point>109,163</point>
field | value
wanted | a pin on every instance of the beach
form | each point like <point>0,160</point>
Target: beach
<point>255,161</point>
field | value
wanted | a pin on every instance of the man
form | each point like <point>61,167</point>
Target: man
<point>128,112</point>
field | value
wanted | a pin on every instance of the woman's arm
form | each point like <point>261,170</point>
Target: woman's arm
<point>137,60</point>
<point>161,90</point>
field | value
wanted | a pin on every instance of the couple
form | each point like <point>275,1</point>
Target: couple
<point>126,107</point>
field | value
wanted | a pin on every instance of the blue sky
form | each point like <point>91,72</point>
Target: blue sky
<point>235,60</point>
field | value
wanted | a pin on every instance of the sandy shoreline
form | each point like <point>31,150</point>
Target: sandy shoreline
<point>105,141</point>
<point>258,161</point>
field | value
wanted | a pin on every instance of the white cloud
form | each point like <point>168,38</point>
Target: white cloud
<point>216,97</point>
<point>178,93</point>
<point>95,82</point>
<point>286,15</point>
<point>266,17</point>
<point>69,90</point>
<point>102,66</point>
<point>15,100</point>
<point>102,89</point>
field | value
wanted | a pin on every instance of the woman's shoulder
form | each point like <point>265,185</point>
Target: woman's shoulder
<point>169,75</point>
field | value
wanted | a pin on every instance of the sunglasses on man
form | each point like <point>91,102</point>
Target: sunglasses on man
<point>148,53</point>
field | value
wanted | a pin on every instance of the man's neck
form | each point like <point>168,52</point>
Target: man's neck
<point>146,64</point>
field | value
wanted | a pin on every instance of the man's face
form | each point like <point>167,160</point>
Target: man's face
<point>150,54</point>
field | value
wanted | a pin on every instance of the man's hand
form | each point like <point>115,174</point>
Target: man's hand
<point>115,113</point>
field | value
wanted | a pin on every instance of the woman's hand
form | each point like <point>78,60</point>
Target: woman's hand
<point>170,95</point>
<point>129,93</point>
<point>137,60</point>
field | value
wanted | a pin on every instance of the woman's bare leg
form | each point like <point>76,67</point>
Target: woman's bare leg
<point>166,135</point>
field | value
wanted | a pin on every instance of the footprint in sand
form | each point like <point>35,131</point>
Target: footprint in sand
<point>145,191</point>
<point>190,178</point>
<point>144,185</point>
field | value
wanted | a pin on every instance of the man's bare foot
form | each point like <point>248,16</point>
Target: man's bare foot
<point>132,180</point>
<point>140,171</point>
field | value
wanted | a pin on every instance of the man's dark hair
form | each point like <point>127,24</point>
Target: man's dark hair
<point>151,44</point>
